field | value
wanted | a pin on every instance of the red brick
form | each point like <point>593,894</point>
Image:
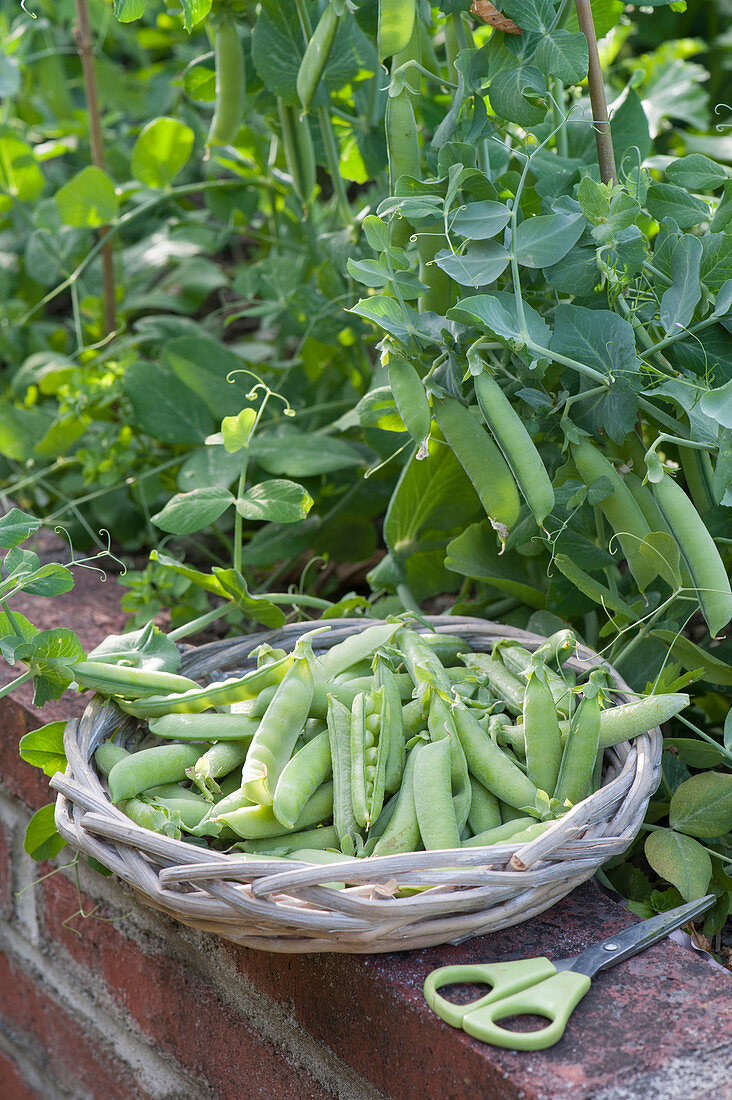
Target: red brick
<point>17,778</point>
<point>174,1007</point>
<point>14,1086</point>
<point>37,1022</point>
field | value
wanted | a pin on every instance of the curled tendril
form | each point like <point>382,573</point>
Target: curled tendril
<point>84,563</point>
<point>720,127</point>
<point>27,11</point>
<point>318,560</point>
<point>265,389</point>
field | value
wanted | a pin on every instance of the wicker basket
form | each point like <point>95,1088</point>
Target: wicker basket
<point>281,905</point>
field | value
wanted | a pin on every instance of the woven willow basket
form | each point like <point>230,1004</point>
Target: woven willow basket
<point>281,905</point>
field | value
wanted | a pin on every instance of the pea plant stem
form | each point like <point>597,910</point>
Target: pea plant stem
<point>85,46</point>
<point>603,137</point>
<point>16,683</point>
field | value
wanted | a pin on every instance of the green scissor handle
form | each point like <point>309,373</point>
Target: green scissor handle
<point>555,997</point>
<point>505,978</point>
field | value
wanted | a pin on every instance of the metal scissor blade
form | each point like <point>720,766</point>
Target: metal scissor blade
<point>603,955</point>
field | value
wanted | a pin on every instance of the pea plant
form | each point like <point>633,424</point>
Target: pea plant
<point>484,254</point>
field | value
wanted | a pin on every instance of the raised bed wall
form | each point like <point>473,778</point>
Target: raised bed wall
<point>121,1003</point>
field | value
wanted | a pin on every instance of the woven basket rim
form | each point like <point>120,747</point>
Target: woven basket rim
<point>282,904</point>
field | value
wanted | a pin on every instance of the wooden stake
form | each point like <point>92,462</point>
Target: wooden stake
<point>85,47</point>
<point>605,152</point>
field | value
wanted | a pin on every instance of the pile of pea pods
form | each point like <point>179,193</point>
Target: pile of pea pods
<point>391,741</point>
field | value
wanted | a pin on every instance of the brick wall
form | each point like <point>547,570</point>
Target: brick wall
<point>102,998</point>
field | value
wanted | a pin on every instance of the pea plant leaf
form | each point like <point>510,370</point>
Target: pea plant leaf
<point>680,300</point>
<point>543,240</point>
<point>478,266</point>
<point>188,512</point>
<point>161,151</point>
<point>88,200</point>
<point>149,647</point>
<point>14,633</point>
<point>679,860</point>
<point>563,54</point>
<point>480,220</point>
<point>256,608</point>
<point>42,838</point>
<point>277,500</point>
<point>15,527</point>
<point>597,337</point>
<point>702,806</point>
<point>44,748</point>
<point>49,655</point>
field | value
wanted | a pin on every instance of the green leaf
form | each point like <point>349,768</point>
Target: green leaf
<point>237,430</point>
<point>576,273</point>
<point>386,313</point>
<point>377,233</point>
<point>15,527</point>
<point>597,337</point>
<point>42,838</point>
<point>695,753</point>
<point>474,554</point>
<point>208,368</point>
<point>161,151</point>
<point>681,861</point>
<point>530,15</point>
<point>563,54</point>
<point>277,501</point>
<point>479,221</point>
<point>88,200</point>
<point>206,581</point>
<point>299,455</point>
<point>680,299</point>
<point>258,609</point>
<point>208,465</point>
<point>20,174</point>
<point>128,10</point>
<point>716,266</point>
<point>194,11</point>
<point>487,313</point>
<point>49,580</point>
<point>702,806</point>
<point>9,639</point>
<point>517,94</point>
<point>148,647</point>
<point>591,587</point>
<point>164,407</point>
<point>717,404</point>
<point>188,512</point>
<point>691,656</point>
<point>49,654</point>
<point>44,748</point>
<point>478,266</point>
<point>543,240</point>
<point>696,173</point>
<point>630,133</point>
<point>664,200</point>
<point>378,409</point>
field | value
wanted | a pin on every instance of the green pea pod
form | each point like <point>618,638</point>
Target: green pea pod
<point>322,836</point>
<point>441,726</point>
<point>357,647</point>
<point>480,458</point>
<point>699,477</point>
<point>506,686</point>
<point>253,822</point>
<point>402,831</point>
<point>423,664</point>
<point>396,23</point>
<point>219,760</point>
<point>402,141</point>
<point>198,699</point>
<point>489,764</point>
<point>339,734</point>
<point>410,397</point>
<point>438,296</point>
<point>393,719</point>
<point>107,755</point>
<point>517,446</point>
<point>621,723</point>
<point>369,751</point>
<point>150,767</point>
<point>541,733</point>
<point>308,769</point>
<point>698,551</point>
<point>149,816</point>
<point>580,752</point>
<point>210,726</point>
<point>500,834</point>
<point>189,808</point>
<point>280,728</point>
<point>230,84</point>
<point>619,509</point>
<point>299,153</point>
<point>520,661</point>
<point>485,812</point>
<point>433,797</point>
<point>316,56</point>
<point>128,681</point>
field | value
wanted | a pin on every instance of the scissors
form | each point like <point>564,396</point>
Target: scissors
<point>539,987</point>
